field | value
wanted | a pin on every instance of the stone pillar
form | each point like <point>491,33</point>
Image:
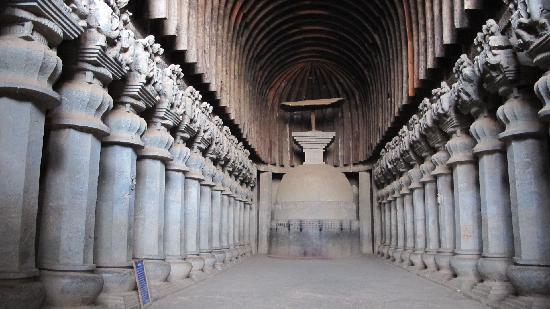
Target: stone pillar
<point>114,224</point>
<point>241,225</point>
<point>377,221</point>
<point>432,215</point>
<point>365,213</point>
<point>387,222</point>
<point>394,194</point>
<point>235,225</point>
<point>217,219</point>
<point>246,232</point>
<point>400,222</point>
<point>191,214</point>
<point>467,210</point>
<point>28,38</point>
<point>264,209</point>
<point>528,170</point>
<point>231,226</point>
<point>225,233</point>
<point>408,213</point>
<point>419,218</point>
<point>497,233</point>
<point>174,211</point>
<point>149,218</point>
<point>205,218</point>
<point>445,199</point>
<point>71,166</point>
<point>380,207</point>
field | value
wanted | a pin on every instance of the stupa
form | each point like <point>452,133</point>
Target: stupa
<point>314,215</point>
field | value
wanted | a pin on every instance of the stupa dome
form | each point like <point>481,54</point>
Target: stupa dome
<point>314,192</point>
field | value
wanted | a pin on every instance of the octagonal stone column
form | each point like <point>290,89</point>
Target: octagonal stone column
<point>191,213</point>
<point>71,165</point>
<point>247,206</point>
<point>393,217</point>
<point>225,222</point>
<point>205,216</point>
<point>380,214</point>
<point>231,226</point>
<point>497,232</point>
<point>29,35</point>
<point>400,221</point>
<point>387,222</point>
<point>174,214</point>
<point>445,199</point>
<point>467,211</point>
<point>419,218</point>
<point>217,219</point>
<point>116,194</point>
<point>528,170</point>
<point>432,215</point>
<point>408,214</point>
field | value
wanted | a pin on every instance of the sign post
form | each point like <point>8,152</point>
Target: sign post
<point>142,284</point>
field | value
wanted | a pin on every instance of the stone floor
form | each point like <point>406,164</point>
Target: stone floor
<point>362,282</point>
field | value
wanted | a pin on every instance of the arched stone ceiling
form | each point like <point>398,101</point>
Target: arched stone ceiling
<point>253,54</point>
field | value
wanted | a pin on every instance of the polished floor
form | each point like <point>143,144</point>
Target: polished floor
<point>362,282</point>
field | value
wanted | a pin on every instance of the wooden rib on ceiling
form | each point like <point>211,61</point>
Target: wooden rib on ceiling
<point>252,54</point>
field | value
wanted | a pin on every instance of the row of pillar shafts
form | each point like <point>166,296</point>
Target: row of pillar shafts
<point>134,166</point>
<point>463,191</point>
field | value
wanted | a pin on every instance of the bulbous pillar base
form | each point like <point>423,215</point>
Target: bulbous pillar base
<point>242,251</point>
<point>443,262</point>
<point>416,259</point>
<point>119,288</point>
<point>495,286</point>
<point>220,259</point>
<point>390,254</point>
<point>209,261</point>
<point>22,293</point>
<point>380,250</point>
<point>397,253</point>
<point>429,260</point>
<point>248,250</point>
<point>157,271</point>
<point>465,267</point>
<point>197,265</point>
<point>235,254</point>
<point>228,256</point>
<point>70,289</point>
<point>532,284</point>
<point>385,252</point>
<point>406,258</point>
<point>179,270</point>
<point>117,280</point>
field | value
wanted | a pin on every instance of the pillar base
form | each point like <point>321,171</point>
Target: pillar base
<point>228,255</point>
<point>465,267</point>
<point>390,253</point>
<point>443,262</point>
<point>179,270</point>
<point>241,250</point>
<point>495,286</point>
<point>197,265</point>
<point>209,261</point>
<point>416,259</point>
<point>22,293</point>
<point>220,259</point>
<point>532,284</point>
<point>70,289</point>
<point>157,271</point>
<point>235,254</point>
<point>406,257</point>
<point>117,280</point>
<point>385,252</point>
<point>429,260</point>
<point>397,253</point>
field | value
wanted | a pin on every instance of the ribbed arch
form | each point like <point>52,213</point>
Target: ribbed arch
<point>251,55</point>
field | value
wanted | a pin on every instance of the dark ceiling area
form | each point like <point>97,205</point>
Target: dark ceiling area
<point>248,56</point>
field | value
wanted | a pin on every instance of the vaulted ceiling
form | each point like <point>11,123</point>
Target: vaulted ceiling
<point>251,55</point>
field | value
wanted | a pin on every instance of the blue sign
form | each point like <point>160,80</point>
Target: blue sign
<point>141,280</point>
